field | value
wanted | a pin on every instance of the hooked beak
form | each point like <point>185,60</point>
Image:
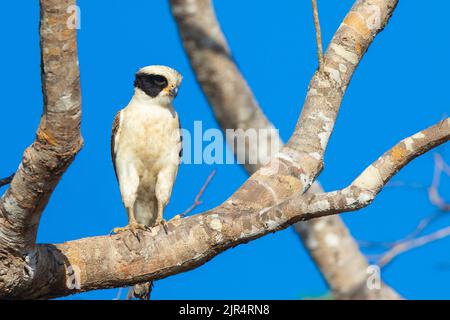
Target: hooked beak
<point>171,91</point>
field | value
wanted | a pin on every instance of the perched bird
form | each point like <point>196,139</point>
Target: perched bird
<point>146,149</point>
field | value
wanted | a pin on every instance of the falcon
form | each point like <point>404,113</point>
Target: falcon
<point>146,147</point>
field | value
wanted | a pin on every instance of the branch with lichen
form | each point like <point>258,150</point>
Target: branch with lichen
<point>235,107</point>
<point>190,242</point>
<point>58,140</point>
<point>270,200</point>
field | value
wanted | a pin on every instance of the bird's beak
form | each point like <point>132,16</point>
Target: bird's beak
<point>172,91</point>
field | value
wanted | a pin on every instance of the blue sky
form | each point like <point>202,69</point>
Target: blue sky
<point>400,87</point>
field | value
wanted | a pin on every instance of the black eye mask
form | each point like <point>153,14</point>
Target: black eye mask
<point>151,84</point>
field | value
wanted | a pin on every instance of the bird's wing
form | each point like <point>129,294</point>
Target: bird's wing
<point>115,129</point>
<point>180,155</point>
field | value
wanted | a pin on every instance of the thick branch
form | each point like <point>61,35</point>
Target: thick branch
<point>300,161</point>
<point>58,140</point>
<point>121,260</point>
<point>226,90</point>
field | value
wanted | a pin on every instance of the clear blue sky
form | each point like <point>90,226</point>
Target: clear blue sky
<point>400,87</point>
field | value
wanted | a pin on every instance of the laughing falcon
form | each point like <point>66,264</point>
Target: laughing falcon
<point>146,147</point>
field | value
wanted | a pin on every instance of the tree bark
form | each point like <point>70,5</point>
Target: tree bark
<point>124,260</point>
<point>271,199</point>
<point>58,140</point>
<point>343,266</point>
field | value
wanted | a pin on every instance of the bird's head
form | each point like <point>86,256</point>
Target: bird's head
<point>157,84</point>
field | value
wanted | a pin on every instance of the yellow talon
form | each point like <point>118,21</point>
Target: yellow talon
<point>131,227</point>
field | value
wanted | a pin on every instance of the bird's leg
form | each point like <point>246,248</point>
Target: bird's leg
<point>132,226</point>
<point>160,218</point>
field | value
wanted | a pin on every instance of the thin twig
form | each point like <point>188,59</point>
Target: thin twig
<point>412,244</point>
<point>197,200</point>
<point>433,192</point>
<point>119,294</point>
<point>5,181</point>
<point>412,240</point>
<point>405,184</point>
<point>318,36</point>
<point>421,226</point>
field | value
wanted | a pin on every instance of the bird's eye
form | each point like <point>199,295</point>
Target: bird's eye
<point>160,81</point>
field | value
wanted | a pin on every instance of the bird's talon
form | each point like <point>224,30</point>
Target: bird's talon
<point>131,227</point>
<point>118,230</point>
<point>179,216</point>
<point>164,225</point>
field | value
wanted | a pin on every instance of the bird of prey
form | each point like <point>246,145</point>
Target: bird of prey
<point>146,152</point>
<point>146,147</point>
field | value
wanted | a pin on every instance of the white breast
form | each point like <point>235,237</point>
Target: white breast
<point>149,137</point>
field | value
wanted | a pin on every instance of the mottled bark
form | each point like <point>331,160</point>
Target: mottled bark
<point>272,199</point>
<point>343,266</point>
<point>122,260</point>
<point>338,257</point>
<point>58,140</point>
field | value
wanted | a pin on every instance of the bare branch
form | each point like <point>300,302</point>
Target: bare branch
<point>262,205</point>
<point>121,260</point>
<point>5,181</point>
<point>119,294</point>
<point>197,200</point>
<point>412,241</point>
<point>318,35</point>
<point>58,139</point>
<point>433,192</point>
<point>412,244</point>
<point>226,91</point>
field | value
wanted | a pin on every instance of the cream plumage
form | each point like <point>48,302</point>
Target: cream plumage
<point>146,146</point>
<point>146,151</point>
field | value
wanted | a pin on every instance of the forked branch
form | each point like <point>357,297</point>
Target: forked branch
<point>122,260</point>
<point>343,266</point>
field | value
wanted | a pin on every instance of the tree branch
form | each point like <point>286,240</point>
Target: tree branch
<point>199,195</point>
<point>122,260</point>
<point>412,240</point>
<point>233,102</point>
<point>318,35</point>
<point>5,181</point>
<point>433,191</point>
<point>58,140</point>
<point>102,262</point>
<point>408,245</point>
<point>338,257</point>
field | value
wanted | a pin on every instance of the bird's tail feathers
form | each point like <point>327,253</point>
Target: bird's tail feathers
<point>145,212</point>
<point>140,291</point>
